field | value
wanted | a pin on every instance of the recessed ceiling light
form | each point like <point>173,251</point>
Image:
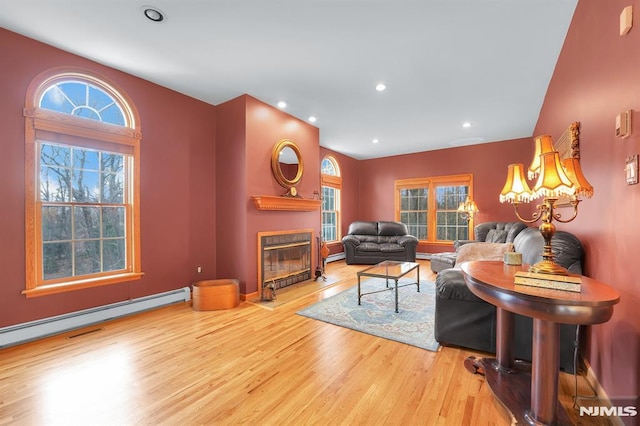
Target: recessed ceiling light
<point>312,119</point>
<point>282,104</point>
<point>467,124</point>
<point>381,87</point>
<point>153,13</point>
<point>375,141</point>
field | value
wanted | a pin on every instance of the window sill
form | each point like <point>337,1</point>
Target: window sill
<point>46,289</point>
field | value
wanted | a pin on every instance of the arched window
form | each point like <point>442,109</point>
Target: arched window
<point>331,186</point>
<point>82,147</point>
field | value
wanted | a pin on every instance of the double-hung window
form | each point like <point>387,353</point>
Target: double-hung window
<point>428,206</point>
<point>331,183</point>
<point>82,184</point>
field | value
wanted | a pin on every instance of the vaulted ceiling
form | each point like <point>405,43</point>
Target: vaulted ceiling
<point>444,62</point>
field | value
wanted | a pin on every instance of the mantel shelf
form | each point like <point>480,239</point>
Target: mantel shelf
<point>272,202</point>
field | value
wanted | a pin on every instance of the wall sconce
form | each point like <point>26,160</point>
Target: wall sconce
<point>468,209</point>
<point>555,179</point>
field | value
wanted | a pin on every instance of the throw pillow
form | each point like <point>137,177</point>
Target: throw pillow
<point>482,251</point>
<point>495,236</point>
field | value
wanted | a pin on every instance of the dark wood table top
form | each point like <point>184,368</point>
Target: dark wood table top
<point>493,281</point>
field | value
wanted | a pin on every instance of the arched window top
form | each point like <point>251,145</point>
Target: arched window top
<point>83,99</point>
<point>82,185</point>
<point>329,166</point>
<point>82,94</point>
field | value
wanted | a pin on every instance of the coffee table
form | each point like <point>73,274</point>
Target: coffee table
<point>389,270</point>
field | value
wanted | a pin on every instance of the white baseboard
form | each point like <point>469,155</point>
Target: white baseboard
<point>21,333</point>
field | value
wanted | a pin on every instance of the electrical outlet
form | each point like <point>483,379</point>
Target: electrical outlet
<point>199,269</point>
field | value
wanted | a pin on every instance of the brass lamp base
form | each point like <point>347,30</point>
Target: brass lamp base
<point>547,266</point>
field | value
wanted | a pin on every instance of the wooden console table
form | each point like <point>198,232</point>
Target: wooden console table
<point>532,396</point>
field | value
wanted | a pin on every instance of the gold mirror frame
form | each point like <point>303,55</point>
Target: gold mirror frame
<point>275,163</point>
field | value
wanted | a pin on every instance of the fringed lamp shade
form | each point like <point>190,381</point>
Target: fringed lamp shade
<point>516,189</point>
<point>543,144</point>
<point>574,173</point>
<point>552,181</point>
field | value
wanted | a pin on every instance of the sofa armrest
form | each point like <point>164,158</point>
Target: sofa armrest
<point>459,243</point>
<point>407,240</point>
<point>351,240</point>
<point>450,284</point>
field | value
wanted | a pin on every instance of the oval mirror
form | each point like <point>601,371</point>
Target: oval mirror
<point>286,163</point>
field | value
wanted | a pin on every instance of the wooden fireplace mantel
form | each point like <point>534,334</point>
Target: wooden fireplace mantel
<point>274,202</point>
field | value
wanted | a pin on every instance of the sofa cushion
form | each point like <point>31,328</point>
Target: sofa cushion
<point>363,228</point>
<point>496,236</point>
<point>369,246</point>
<point>566,247</point>
<point>390,247</point>
<point>481,230</point>
<point>388,229</point>
<point>482,251</point>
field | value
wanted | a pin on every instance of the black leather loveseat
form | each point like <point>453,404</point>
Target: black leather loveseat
<point>462,319</point>
<point>369,243</point>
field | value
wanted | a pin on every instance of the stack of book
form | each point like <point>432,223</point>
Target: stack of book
<point>569,282</point>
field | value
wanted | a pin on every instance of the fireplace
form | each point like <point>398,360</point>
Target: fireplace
<point>284,258</point>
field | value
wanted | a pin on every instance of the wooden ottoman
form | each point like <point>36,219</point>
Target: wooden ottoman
<point>211,295</point>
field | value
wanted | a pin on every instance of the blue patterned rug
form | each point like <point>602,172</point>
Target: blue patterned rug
<point>413,325</point>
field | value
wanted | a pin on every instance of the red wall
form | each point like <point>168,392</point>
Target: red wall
<point>231,189</point>
<point>253,128</point>
<point>598,76</point>
<point>177,185</point>
<point>487,162</point>
<point>349,195</point>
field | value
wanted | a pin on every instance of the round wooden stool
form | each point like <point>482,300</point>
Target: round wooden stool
<point>211,295</point>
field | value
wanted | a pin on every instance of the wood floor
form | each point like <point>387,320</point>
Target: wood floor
<point>248,365</point>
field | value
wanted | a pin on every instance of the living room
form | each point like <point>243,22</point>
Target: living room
<point>201,164</point>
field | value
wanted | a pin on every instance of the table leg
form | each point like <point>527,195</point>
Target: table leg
<point>544,372</point>
<point>396,296</point>
<point>418,269</point>
<point>359,294</point>
<point>504,338</point>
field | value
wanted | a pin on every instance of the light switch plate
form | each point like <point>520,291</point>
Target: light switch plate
<point>631,170</point>
<point>626,20</point>
<point>623,124</point>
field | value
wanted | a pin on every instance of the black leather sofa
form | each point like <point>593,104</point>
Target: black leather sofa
<point>462,319</point>
<point>489,232</point>
<point>369,243</point>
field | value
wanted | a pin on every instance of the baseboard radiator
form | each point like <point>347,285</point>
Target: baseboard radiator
<point>38,329</point>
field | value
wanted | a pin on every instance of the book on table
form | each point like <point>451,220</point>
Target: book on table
<point>569,282</point>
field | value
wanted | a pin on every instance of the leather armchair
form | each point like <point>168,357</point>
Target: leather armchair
<point>463,319</point>
<point>369,243</point>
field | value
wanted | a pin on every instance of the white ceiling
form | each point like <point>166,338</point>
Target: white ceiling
<point>444,61</point>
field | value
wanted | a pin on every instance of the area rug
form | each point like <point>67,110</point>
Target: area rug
<point>376,315</point>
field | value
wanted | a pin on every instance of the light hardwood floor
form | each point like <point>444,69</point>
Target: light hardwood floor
<point>248,365</point>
